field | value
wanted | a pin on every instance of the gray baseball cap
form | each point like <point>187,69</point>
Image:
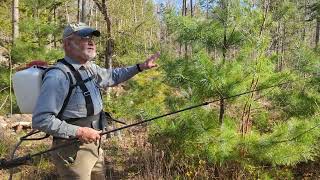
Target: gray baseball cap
<point>81,29</point>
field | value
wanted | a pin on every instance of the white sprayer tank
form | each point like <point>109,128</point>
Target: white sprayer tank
<point>26,85</point>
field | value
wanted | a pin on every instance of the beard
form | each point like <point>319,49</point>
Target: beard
<point>88,54</point>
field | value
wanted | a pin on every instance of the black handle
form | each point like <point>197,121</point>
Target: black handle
<point>4,164</point>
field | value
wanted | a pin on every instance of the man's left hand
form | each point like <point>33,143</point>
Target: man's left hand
<point>150,62</point>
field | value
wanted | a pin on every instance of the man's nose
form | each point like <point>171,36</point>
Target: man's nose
<point>91,41</point>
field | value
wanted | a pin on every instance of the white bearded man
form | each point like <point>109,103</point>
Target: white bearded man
<point>70,104</point>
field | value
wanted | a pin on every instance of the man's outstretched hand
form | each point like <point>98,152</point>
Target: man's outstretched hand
<point>150,62</point>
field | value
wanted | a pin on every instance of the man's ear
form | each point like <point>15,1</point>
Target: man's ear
<point>66,43</point>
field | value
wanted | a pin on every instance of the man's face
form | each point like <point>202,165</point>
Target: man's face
<point>82,48</point>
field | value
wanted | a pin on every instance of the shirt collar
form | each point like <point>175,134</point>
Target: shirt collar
<point>75,63</point>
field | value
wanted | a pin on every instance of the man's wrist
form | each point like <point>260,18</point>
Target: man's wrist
<point>79,132</point>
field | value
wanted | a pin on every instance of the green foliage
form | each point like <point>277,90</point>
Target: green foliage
<point>306,61</point>
<point>141,98</point>
<point>288,144</point>
<point>191,144</point>
<point>5,19</point>
<point>209,33</point>
<point>37,33</point>
<point>238,47</point>
<point>298,103</point>
<point>284,129</point>
<point>5,92</point>
<point>27,51</point>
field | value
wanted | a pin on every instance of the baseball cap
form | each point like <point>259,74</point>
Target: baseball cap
<point>81,29</point>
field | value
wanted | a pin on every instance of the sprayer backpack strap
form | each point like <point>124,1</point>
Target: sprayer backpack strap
<point>66,100</point>
<point>81,84</point>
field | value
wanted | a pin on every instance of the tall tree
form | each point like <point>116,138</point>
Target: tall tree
<point>15,20</point>
<point>184,7</point>
<point>102,6</point>
<point>84,11</point>
<point>191,8</point>
<point>79,11</point>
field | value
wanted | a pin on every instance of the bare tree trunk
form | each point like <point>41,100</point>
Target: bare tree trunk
<point>317,32</point>
<point>184,13</point>
<point>222,108</point>
<point>303,20</point>
<point>67,13</point>
<point>224,7</point>
<point>15,20</point>
<point>245,125</point>
<point>109,45</point>
<point>207,9</point>
<point>90,14</point>
<point>54,20</point>
<point>102,6</point>
<point>191,8</point>
<point>84,11</point>
<point>79,11</point>
<point>278,44</point>
<point>184,7</point>
<point>96,17</point>
<point>283,39</point>
<point>224,47</point>
<point>191,14</point>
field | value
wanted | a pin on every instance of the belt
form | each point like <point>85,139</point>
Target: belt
<point>90,121</point>
<point>84,121</point>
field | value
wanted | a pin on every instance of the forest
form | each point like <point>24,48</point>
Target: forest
<point>256,61</point>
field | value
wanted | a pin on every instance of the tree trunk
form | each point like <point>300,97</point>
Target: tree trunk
<point>224,8</point>
<point>109,44</point>
<point>224,47</point>
<point>283,40</point>
<point>79,11</point>
<point>84,11</point>
<point>207,9</point>
<point>102,6</point>
<point>317,32</point>
<point>304,22</point>
<point>96,17</point>
<point>246,123</point>
<point>184,13</point>
<point>222,108</point>
<point>54,20</point>
<point>90,14</point>
<point>15,20</point>
<point>191,8</point>
<point>184,7</point>
<point>67,13</point>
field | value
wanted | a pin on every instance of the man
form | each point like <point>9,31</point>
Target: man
<point>70,104</point>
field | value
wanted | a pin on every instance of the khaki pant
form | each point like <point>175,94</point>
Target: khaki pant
<point>83,162</point>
